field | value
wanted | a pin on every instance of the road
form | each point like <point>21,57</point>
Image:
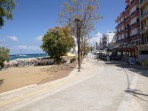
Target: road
<point>100,86</point>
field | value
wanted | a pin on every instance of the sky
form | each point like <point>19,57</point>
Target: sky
<point>33,18</point>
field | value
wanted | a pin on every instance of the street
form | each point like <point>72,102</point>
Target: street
<point>100,86</point>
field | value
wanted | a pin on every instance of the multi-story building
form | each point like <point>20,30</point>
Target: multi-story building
<point>106,45</point>
<point>106,40</point>
<point>128,29</point>
<point>143,47</point>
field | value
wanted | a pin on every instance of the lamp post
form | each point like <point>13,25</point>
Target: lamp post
<point>78,42</point>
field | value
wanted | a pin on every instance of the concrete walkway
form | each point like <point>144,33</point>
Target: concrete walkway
<point>99,86</point>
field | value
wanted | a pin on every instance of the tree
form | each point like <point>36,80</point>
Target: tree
<point>3,55</point>
<point>83,11</point>
<point>6,7</point>
<point>57,42</point>
<point>85,47</point>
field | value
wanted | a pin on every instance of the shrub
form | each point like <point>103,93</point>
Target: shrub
<point>72,59</point>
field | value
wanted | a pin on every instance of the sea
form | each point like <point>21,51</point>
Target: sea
<point>17,56</point>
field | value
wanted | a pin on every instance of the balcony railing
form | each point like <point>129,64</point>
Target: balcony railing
<point>127,7</point>
<point>144,30</point>
<point>126,18</point>
<point>144,14</point>
<point>135,24</point>
<point>134,2</point>
<point>119,24</point>
<point>136,11</point>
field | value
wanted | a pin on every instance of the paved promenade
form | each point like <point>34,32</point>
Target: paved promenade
<point>100,86</point>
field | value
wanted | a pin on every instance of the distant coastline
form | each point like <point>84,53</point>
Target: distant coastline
<point>16,56</point>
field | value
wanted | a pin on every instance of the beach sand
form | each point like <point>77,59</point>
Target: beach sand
<point>13,78</point>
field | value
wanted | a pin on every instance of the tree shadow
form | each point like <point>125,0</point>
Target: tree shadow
<point>143,71</point>
<point>1,82</point>
<point>141,98</point>
<point>137,93</point>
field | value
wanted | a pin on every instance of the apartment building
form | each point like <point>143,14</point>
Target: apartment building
<point>128,29</point>
<point>143,47</point>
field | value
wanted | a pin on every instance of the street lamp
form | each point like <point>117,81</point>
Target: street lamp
<point>77,21</point>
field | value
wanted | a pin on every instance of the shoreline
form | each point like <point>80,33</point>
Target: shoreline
<point>24,56</point>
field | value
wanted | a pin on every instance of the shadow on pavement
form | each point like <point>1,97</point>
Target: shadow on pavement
<point>138,94</point>
<point>137,69</point>
<point>140,98</point>
<point>143,71</point>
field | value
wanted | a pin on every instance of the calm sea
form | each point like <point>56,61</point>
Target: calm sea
<point>13,57</point>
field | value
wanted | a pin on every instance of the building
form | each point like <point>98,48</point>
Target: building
<point>106,40</point>
<point>143,47</point>
<point>128,30</point>
<point>106,45</point>
<point>113,42</point>
<point>111,37</point>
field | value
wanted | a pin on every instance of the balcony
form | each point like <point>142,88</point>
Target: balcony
<point>135,12</point>
<point>127,8</point>
<point>135,25</point>
<point>144,30</point>
<point>125,19</point>
<point>120,32</point>
<point>133,3</point>
<point>120,24</point>
<point>144,15</point>
<point>135,37</point>
<point>143,3</point>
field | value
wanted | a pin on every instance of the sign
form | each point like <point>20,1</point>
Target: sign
<point>131,61</point>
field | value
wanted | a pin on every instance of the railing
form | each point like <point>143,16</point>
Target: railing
<point>126,18</point>
<point>119,24</point>
<point>136,11</point>
<point>127,7</point>
<point>134,2</point>
<point>134,24</point>
<point>144,14</point>
<point>135,35</point>
<point>144,30</point>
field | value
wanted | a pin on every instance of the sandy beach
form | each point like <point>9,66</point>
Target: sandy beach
<point>15,77</point>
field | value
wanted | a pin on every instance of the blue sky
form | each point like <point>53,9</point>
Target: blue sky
<point>32,19</point>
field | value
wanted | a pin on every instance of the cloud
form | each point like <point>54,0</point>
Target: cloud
<point>95,39</point>
<point>13,38</point>
<point>39,38</point>
<point>24,47</point>
<point>99,35</point>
